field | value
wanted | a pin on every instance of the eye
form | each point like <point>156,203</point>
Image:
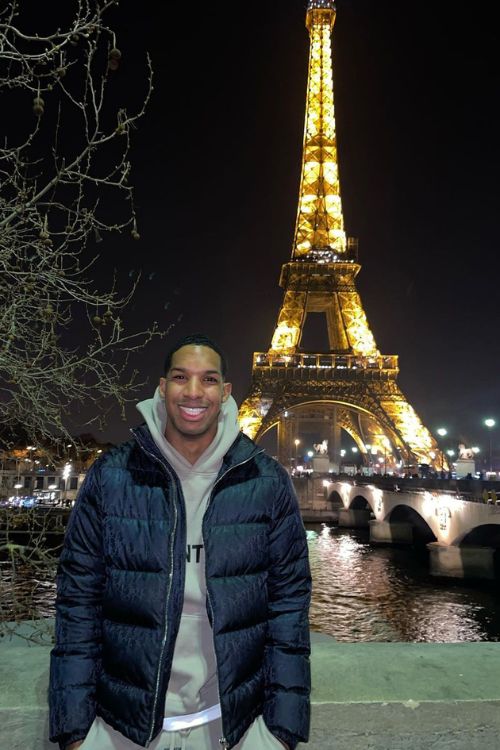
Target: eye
<point>178,377</point>
<point>211,379</point>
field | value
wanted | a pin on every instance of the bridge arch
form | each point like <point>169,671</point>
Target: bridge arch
<point>335,499</point>
<point>360,502</point>
<point>485,535</point>
<point>422,532</point>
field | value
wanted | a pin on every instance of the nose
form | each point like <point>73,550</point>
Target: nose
<point>194,388</point>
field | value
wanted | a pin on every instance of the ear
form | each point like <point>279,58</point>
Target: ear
<point>162,385</point>
<point>226,392</point>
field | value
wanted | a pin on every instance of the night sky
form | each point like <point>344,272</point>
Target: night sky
<point>216,163</point>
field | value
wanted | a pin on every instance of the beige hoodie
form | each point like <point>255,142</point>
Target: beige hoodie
<point>193,681</point>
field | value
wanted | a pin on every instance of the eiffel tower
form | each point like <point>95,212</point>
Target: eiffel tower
<point>350,385</point>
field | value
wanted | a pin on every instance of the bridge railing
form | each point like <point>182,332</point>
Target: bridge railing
<point>307,360</point>
<point>473,490</point>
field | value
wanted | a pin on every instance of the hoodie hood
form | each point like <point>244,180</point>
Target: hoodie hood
<point>154,412</point>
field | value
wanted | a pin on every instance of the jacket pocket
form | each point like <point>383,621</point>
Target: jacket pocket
<point>258,737</point>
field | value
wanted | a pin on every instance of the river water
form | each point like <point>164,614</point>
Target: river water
<point>366,592</point>
<point>361,592</point>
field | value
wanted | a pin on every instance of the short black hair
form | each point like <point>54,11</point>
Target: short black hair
<point>198,339</point>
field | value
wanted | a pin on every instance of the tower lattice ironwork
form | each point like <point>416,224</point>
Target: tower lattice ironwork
<point>350,385</point>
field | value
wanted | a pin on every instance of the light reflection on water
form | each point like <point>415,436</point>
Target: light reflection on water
<point>363,592</point>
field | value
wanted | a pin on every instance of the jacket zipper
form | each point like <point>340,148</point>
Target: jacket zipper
<point>222,740</point>
<point>164,640</point>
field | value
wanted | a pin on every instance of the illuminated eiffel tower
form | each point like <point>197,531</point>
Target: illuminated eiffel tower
<point>349,386</point>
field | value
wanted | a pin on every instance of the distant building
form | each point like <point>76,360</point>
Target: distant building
<point>49,473</point>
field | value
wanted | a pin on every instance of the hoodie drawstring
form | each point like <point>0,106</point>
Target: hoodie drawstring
<point>181,737</point>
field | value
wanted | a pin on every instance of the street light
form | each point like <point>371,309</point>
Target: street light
<point>490,423</point>
<point>442,432</point>
<point>297,443</point>
<point>65,475</point>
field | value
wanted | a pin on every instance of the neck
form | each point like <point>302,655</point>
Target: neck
<point>190,448</point>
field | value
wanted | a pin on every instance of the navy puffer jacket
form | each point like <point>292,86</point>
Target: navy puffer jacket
<point>120,591</point>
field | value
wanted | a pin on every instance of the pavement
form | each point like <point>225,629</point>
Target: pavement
<point>365,696</point>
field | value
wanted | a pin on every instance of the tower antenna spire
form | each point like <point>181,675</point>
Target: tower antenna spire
<point>319,229</point>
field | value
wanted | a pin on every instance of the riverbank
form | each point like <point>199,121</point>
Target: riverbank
<point>366,696</point>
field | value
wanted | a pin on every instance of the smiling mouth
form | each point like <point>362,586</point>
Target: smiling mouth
<point>192,411</point>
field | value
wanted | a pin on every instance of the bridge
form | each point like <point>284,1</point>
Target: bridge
<point>459,526</point>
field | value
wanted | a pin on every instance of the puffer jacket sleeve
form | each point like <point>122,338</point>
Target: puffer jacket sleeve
<point>76,656</point>
<point>288,680</point>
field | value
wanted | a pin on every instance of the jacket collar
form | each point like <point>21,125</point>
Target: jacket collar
<point>242,450</point>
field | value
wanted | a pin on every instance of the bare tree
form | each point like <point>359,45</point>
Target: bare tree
<point>64,171</point>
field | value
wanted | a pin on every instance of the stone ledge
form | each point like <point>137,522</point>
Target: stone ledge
<point>385,672</point>
<point>439,725</point>
<point>366,696</point>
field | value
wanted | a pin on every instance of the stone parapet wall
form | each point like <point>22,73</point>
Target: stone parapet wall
<point>365,696</point>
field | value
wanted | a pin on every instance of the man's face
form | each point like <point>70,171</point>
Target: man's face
<point>193,390</point>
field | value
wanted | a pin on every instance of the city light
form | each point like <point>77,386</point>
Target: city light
<point>442,432</point>
<point>490,423</point>
<point>296,443</point>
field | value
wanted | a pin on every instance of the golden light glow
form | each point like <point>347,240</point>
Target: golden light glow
<point>249,424</point>
<point>360,337</point>
<point>414,434</point>
<point>251,414</point>
<point>320,278</point>
<point>285,337</point>
<point>320,224</point>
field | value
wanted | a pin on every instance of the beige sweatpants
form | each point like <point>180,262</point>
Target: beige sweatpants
<point>258,737</point>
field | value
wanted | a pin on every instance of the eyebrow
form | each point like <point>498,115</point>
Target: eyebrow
<point>205,372</point>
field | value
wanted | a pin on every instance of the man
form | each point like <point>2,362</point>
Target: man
<point>183,585</point>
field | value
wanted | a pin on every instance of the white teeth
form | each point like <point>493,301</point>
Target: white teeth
<point>192,411</point>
